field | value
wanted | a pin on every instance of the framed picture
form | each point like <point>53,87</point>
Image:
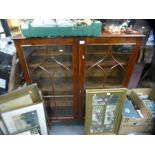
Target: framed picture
<point>19,98</point>
<point>103,110</point>
<point>97,115</point>
<point>31,131</point>
<point>24,118</point>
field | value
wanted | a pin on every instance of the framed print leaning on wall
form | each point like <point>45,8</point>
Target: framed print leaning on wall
<point>103,110</point>
<point>25,118</point>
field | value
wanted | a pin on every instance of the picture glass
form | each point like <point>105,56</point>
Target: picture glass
<point>25,120</point>
<point>33,131</point>
<point>103,112</point>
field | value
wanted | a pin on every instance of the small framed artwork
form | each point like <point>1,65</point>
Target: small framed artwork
<point>97,115</point>
<point>24,118</point>
<point>103,110</point>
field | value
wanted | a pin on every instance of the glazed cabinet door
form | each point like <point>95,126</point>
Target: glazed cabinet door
<point>106,65</point>
<point>53,68</point>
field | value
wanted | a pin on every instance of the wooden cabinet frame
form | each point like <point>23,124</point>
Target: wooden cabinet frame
<point>51,41</point>
<point>78,57</point>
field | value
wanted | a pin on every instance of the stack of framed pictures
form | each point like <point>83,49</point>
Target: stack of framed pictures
<point>103,110</point>
<point>22,110</point>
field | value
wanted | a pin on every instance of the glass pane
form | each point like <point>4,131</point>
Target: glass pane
<point>106,65</point>
<point>51,68</point>
<point>115,77</point>
<point>104,112</point>
<point>63,107</point>
<point>122,52</point>
<point>94,74</point>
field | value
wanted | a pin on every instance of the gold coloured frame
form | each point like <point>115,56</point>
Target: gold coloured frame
<point>103,110</point>
<point>19,98</point>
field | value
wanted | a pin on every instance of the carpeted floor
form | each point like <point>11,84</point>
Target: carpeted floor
<point>59,128</point>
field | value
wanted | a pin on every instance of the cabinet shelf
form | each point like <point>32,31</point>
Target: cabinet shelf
<point>49,62</point>
<point>99,77</point>
<point>101,86</point>
<point>60,76</point>
<point>58,91</point>
<point>49,65</point>
<point>60,112</point>
<point>105,63</point>
<point>37,53</point>
<point>104,53</point>
<point>65,102</point>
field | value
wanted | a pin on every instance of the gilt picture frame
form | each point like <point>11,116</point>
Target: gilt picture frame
<point>103,110</point>
<point>19,98</point>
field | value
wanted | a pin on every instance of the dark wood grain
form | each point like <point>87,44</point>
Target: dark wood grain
<point>132,62</point>
<point>23,63</point>
<point>81,78</point>
<point>75,79</point>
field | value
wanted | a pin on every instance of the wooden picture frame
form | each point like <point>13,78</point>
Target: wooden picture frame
<point>104,110</point>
